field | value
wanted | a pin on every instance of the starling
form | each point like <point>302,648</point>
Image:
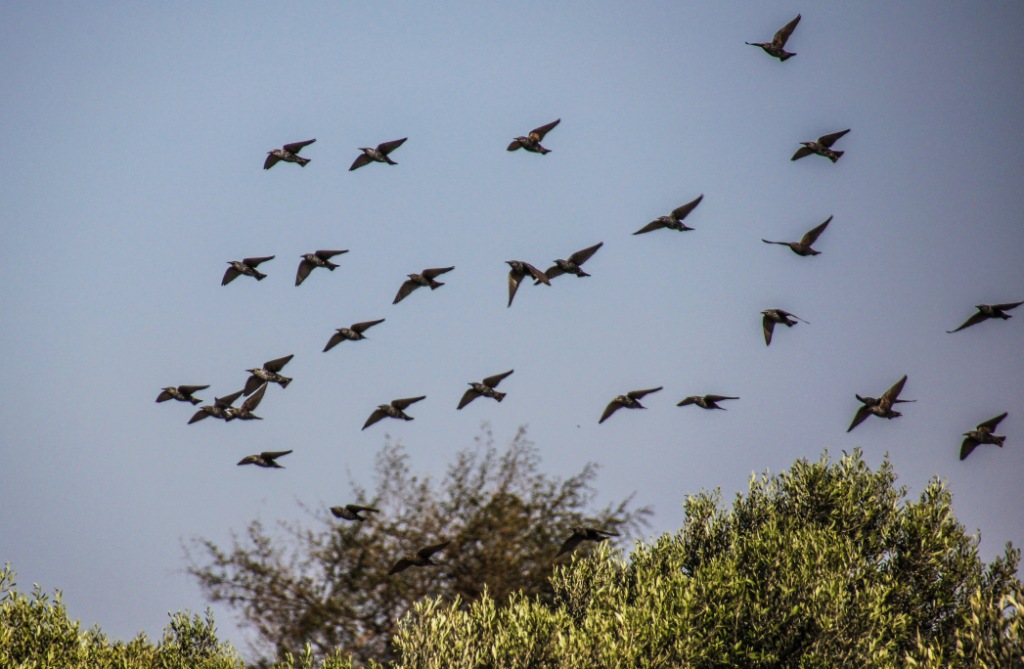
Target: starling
<point>288,153</point>
<point>775,47</point>
<point>269,372</point>
<point>982,435</point>
<point>380,154</point>
<point>393,410</point>
<point>532,141</point>
<point>674,221</point>
<point>773,316</point>
<point>705,401</point>
<point>310,261</point>
<point>571,265</point>
<point>519,270</point>
<point>987,311</point>
<point>353,332</point>
<point>246,266</point>
<point>821,147</point>
<point>581,534</point>
<point>264,459</point>
<point>181,393</point>
<point>424,278</point>
<point>803,247</point>
<point>485,388</point>
<point>245,412</point>
<point>352,511</point>
<point>881,407</point>
<point>421,559</point>
<point>630,400</point>
<point>219,409</point>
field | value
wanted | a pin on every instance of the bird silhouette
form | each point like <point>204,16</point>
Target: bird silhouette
<point>311,261</point>
<point>674,221</point>
<point>394,410</point>
<point>630,400</point>
<point>269,372</point>
<point>581,534</point>
<point>378,154</point>
<point>532,141</point>
<point>246,266</point>
<point>519,270</point>
<point>803,247</point>
<point>983,434</point>
<point>705,401</point>
<point>881,407</point>
<point>775,47</point>
<point>180,393</point>
<point>571,265</point>
<point>288,153</point>
<point>822,147</point>
<point>245,412</point>
<point>485,388</point>
<point>352,511</point>
<point>773,316</point>
<point>264,459</point>
<point>219,409</point>
<point>353,332</point>
<point>987,311</point>
<point>424,278</point>
<point>420,559</point>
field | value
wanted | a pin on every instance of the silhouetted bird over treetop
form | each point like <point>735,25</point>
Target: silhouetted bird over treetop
<point>269,372</point>
<point>421,559</point>
<point>264,459</point>
<point>581,534</point>
<point>394,410</point>
<point>881,407</point>
<point>288,153</point>
<point>630,400</point>
<point>485,388</point>
<point>378,154</point>
<point>311,261</point>
<point>246,266</point>
<point>352,511</point>
<point>353,332</point>
<point>424,278</point>
<point>982,434</point>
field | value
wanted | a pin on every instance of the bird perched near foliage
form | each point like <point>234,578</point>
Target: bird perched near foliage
<point>803,247</point>
<point>180,393</point>
<point>246,266</point>
<point>581,534</point>
<point>571,265</point>
<point>987,311</point>
<point>352,511</point>
<point>532,141</point>
<point>982,435</point>
<point>674,221</point>
<point>775,47</point>
<point>379,154</point>
<point>424,278</point>
<point>822,147</point>
<point>219,409</point>
<point>264,459</point>
<point>630,400</point>
<point>485,388</point>
<point>773,316</point>
<point>288,153</point>
<point>519,270</point>
<point>421,559</point>
<point>269,372</point>
<point>353,332</point>
<point>394,410</point>
<point>882,406</point>
<point>245,412</point>
<point>311,261</point>
<point>705,401</point>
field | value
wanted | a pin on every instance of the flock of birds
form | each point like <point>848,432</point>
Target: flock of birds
<point>270,372</point>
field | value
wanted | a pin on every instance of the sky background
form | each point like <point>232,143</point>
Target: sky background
<point>135,135</point>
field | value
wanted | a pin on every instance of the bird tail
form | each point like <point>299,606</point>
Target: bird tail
<point>542,150</point>
<point>999,440</point>
<point>285,380</point>
<point>836,155</point>
<point>259,275</point>
<point>582,274</point>
<point>499,395</point>
<point>435,284</point>
<point>194,400</point>
<point>302,161</point>
<point>786,55</point>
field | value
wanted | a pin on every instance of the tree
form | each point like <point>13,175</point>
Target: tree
<point>328,584</point>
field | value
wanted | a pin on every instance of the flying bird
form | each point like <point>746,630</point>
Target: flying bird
<point>288,153</point>
<point>264,459</point>
<point>630,400</point>
<point>269,372</point>
<point>245,412</point>
<point>394,410</point>
<point>881,407</point>
<point>987,311</point>
<point>775,47</point>
<point>532,141</point>
<point>705,401</point>
<point>982,435</point>
<point>571,265</point>
<point>424,278</point>
<point>773,316</point>
<point>822,147</point>
<point>311,261</point>
<point>485,388</point>
<point>803,247</point>
<point>379,154</point>
<point>581,534</point>
<point>353,332</point>
<point>421,559</point>
<point>180,393</point>
<point>246,266</point>
<point>219,409</point>
<point>352,511</point>
<point>674,221</point>
<point>519,270</point>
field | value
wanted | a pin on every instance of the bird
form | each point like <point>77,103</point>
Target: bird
<point>352,511</point>
<point>822,147</point>
<point>269,372</point>
<point>311,261</point>
<point>245,412</point>
<point>394,410</point>
<point>180,393</point>
<point>674,221</point>
<point>246,266</point>
<point>264,459</point>
<point>532,141</point>
<point>803,247</point>
<point>982,435</point>
<point>379,154</point>
<point>581,534</point>
<point>421,559</point>
<point>424,278</point>
<point>519,270</point>
<point>571,265</point>
<point>881,407</point>
<point>288,153</point>
<point>705,401</point>
<point>775,47</point>
<point>985,312</point>
<point>353,332</point>
<point>773,316</point>
<point>219,408</point>
<point>630,400</point>
<point>485,388</point>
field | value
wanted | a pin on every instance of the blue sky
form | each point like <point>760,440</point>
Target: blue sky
<point>135,139</point>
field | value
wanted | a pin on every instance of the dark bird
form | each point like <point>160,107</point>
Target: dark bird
<point>630,400</point>
<point>674,221</point>
<point>773,316</point>
<point>288,153</point>
<point>311,261</point>
<point>264,459</point>
<point>393,410</point>
<point>571,265</point>
<point>269,372</point>
<point>881,407</point>
<point>532,141</point>
<point>421,559</point>
<point>352,511</point>
<point>354,332</point>
<point>424,278</point>
<point>822,147</point>
<point>705,401</point>
<point>987,311</point>
<point>982,435</point>
<point>245,412</point>
<point>246,266</point>
<point>581,534</point>
<point>485,388</point>
<point>775,47</point>
<point>519,270</point>
<point>180,393</point>
<point>803,247</point>
<point>379,154</point>
<point>219,408</point>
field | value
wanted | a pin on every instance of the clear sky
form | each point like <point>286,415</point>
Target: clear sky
<point>135,135</point>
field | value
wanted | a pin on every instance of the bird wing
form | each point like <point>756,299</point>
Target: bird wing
<point>1008,306</point>
<point>400,566</point>
<point>570,544</point>
<point>515,145</point>
<point>228,400</point>
<point>377,415</point>
<point>829,140</point>
<point>403,403</point>
<point>295,147</point>
<point>639,394</point>
<point>537,274</point>
<point>538,133</point>
<point>812,234</point>
<point>253,262</point>
<point>894,392</point>
<point>688,401</point>
<point>388,147</point>
<point>305,267</point>
<point>967,447</point>
<point>363,159</point>
<point>719,398</point>
<point>975,318</point>
<point>403,291</point>
<point>365,325</point>
<point>335,339</point>
<point>229,275</point>
<point>656,224</point>
<point>514,278</point>
<point>583,255</point>
<point>198,416</point>
<point>187,390</point>
<point>682,211</point>
<point>802,152</point>
<point>492,381</point>
<point>785,31</point>
<point>327,254</point>
<point>277,364</point>
<point>254,400</point>
<point>468,397</point>
<point>771,242</point>
<point>251,384</point>
<point>858,418</point>
<point>427,551</point>
<point>432,272</point>
<point>612,407</point>
<point>991,424</point>
<point>355,508</point>
<point>768,325</point>
<point>163,396</point>
<point>271,455</point>
<point>552,272</point>
<point>271,160</point>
